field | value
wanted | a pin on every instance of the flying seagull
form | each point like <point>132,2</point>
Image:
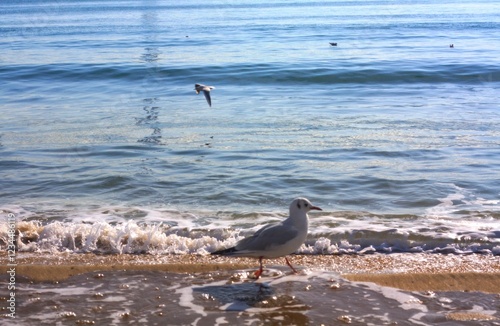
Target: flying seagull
<point>276,239</point>
<point>206,91</point>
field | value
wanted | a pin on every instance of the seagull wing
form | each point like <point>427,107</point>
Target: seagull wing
<point>268,237</point>
<point>207,96</point>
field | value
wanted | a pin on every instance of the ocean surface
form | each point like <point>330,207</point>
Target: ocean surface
<point>106,148</point>
<point>392,132</point>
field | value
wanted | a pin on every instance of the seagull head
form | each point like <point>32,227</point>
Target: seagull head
<point>302,205</point>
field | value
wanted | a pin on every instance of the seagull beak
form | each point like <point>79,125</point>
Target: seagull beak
<point>315,208</point>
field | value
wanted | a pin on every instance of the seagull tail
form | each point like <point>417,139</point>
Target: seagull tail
<point>223,252</point>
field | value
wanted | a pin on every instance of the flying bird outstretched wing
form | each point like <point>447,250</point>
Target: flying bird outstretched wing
<point>206,92</point>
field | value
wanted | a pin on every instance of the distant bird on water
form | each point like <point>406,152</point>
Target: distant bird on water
<point>276,239</point>
<point>206,91</point>
<point>452,46</point>
<point>333,44</point>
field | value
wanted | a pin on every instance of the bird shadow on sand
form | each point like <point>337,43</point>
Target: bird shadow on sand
<point>247,294</point>
<point>261,300</point>
<point>238,297</point>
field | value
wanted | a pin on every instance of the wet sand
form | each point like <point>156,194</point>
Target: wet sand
<point>412,272</point>
<point>68,288</point>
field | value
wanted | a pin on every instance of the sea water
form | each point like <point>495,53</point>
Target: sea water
<point>392,132</point>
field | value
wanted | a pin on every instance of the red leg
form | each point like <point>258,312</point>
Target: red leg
<point>261,269</point>
<point>290,265</point>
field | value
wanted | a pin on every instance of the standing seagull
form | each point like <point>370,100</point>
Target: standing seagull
<point>206,91</point>
<point>276,239</point>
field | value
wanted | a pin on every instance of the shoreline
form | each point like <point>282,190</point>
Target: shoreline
<point>408,271</point>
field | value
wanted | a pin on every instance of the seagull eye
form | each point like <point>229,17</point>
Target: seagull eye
<point>305,204</point>
<point>298,205</point>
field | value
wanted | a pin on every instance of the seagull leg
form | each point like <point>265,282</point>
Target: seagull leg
<point>257,274</point>
<point>290,265</point>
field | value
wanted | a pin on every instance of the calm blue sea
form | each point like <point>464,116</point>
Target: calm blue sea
<point>392,132</point>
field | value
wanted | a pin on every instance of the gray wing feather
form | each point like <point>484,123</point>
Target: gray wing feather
<point>267,237</point>
<point>207,96</point>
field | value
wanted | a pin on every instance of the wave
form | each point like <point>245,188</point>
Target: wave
<point>118,230</point>
<point>249,74</point>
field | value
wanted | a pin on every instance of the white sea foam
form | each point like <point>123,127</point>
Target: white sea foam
<point>461,199</point>
<point>135,229</point>
<point>133,237</point>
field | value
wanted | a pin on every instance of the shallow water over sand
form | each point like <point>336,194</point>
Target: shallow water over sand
<point>229,297</point>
